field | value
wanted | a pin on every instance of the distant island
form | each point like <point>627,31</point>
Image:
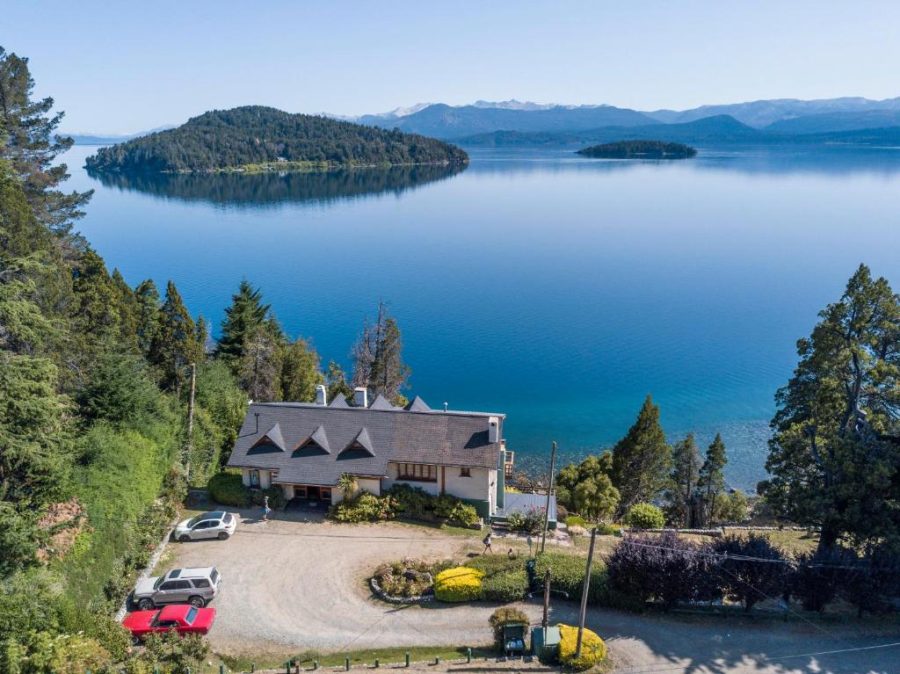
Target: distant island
<point>639,149</point>
<point>258,139</point>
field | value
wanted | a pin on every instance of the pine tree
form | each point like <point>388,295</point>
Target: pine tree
<point>32,148</point>
<point>175,343</point>
<point>336,381</point>
<point>641,459</point>
<point>242,318</point>
<point>128,310</point>
<point>300,372</point>
<point>96,311</point>
<point>378,358</point>
<point>148,305</point>
<point>685,475</point>
<point>260,366</point>
<point>832,456</point>
<point>712,478</point>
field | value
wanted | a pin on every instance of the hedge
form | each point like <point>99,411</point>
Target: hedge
<point>593,648</point>
<point>460,583</point>
<point>645,516</point>
<point>228,489</point>
<point>567,575</point>
<point>505,586</point>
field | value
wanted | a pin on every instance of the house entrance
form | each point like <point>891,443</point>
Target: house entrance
<point>312,493</point>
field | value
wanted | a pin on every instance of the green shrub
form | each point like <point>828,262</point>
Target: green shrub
<point>505,616</point>
<point>228,489</point>
<point>567,575</point>
<point>576,521</point>
<point>593,648</point>
<point>458,584</point>
<point>416,503</point>
<point>364,507</point>
<point>277,501</point>
<point>604,529</point>
<point>505,586</point>
<point>645,516</point>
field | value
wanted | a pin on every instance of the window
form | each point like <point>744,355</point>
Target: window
<point>325,494</point>
<point>254,478</point>
<point>191,615</point>
<point>175,585</point>
<point>465,472</point>
<point>214,575</point>
<point>419,472</point>
<point>201,582</point>
<point>299,492</point>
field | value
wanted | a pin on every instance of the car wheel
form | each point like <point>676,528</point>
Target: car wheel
<point>196,601</point>
<point>145,604</point>
<point>184,538</point>
<point>135,641</point>
<point>223,535</point>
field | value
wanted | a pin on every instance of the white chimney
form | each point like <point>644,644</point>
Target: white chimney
<point>321,395</point>
<point>493,429</point>
<point>360,396</point>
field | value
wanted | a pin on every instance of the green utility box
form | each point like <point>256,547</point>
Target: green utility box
<point>545,643</point>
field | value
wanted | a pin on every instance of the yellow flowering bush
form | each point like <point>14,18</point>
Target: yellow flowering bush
<point>593,648</point>
<point>458,584</point>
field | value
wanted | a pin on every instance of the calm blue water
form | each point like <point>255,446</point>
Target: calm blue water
<point>557,289</point>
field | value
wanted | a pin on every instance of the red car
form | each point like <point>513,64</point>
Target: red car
<point>183,618</point>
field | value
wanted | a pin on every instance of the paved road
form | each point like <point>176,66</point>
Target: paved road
<point>292,586</point>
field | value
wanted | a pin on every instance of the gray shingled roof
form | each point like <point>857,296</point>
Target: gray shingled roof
<point>382,403</point>
<point>359,441</point>
<point>272,437</point>
<point>339,401</point>
<point>418,405</point>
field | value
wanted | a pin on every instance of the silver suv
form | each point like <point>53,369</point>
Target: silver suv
<point>179,586</point>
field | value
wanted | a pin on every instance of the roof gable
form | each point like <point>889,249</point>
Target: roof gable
<point>360,446</point>
<point>381,403</point>
<point>272,438</point>
<point>339,401</point>
<point>418,405</point>
<point>317,443</point>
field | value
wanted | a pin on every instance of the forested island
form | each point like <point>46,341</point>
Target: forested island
<point>639,149</point>
<point>257,138</point>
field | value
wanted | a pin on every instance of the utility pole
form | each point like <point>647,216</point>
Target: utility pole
<point>584,592</point>
<point>189,445</point>
<point>549,494</point>
<point>545,621</point>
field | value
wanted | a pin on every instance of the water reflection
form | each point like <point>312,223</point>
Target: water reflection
<point>273,189</point>
<point>832,160</point>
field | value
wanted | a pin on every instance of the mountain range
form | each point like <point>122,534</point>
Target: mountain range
<point>782,117</point>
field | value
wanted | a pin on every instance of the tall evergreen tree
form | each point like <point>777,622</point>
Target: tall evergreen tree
<point>27,127</point>
<point>300,373</point>
<point>712,478</point>
<point>833,455</point>
<point>246,313</point>
<point>260,366</point>
<point>641,459</point>
<point>148,303</point>
<point>378,358</point>
<point>336,381</point>
<point>175,343</point>
<point>685,476</point>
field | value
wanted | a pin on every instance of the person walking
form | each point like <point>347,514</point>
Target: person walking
<point>487,543</point>
<point>266,509</point>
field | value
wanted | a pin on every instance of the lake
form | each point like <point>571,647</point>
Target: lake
<point>557,289</point>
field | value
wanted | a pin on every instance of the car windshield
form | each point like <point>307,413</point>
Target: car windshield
<point>191,615</point>
<point>228,518</point>
<point>158,582</point>
<point>194,520</point>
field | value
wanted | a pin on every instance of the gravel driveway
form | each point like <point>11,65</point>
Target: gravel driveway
<point>292,586</point>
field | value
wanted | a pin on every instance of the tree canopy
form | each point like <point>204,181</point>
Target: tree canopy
<point>834,455</point>
<point>641,459</point>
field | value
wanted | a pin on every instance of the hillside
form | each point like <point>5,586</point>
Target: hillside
<point>261,138</point>
<point>639,149</point>
<point>836,122</point>
<point>720,129</point>
<point>445,121</point>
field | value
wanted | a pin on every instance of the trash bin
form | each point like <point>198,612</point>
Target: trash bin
<point>545,643</point>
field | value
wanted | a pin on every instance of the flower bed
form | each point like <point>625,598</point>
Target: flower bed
<point>406,582</point>
<point>460,583</point>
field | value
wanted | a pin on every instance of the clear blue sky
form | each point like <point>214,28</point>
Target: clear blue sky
<point>125,67</point>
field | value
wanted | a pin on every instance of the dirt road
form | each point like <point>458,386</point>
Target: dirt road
<point>291,587</point>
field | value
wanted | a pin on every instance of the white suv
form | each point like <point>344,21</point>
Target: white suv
<point>216,524</point>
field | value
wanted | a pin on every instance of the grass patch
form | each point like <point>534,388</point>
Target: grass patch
<point>385,656</point>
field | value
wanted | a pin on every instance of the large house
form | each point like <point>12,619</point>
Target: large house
<point>305,448</point>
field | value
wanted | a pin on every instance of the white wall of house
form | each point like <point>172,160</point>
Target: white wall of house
<point>369,484</point>
<point>288,490</point>
<point>433,488</point>
<point>474,487</point>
